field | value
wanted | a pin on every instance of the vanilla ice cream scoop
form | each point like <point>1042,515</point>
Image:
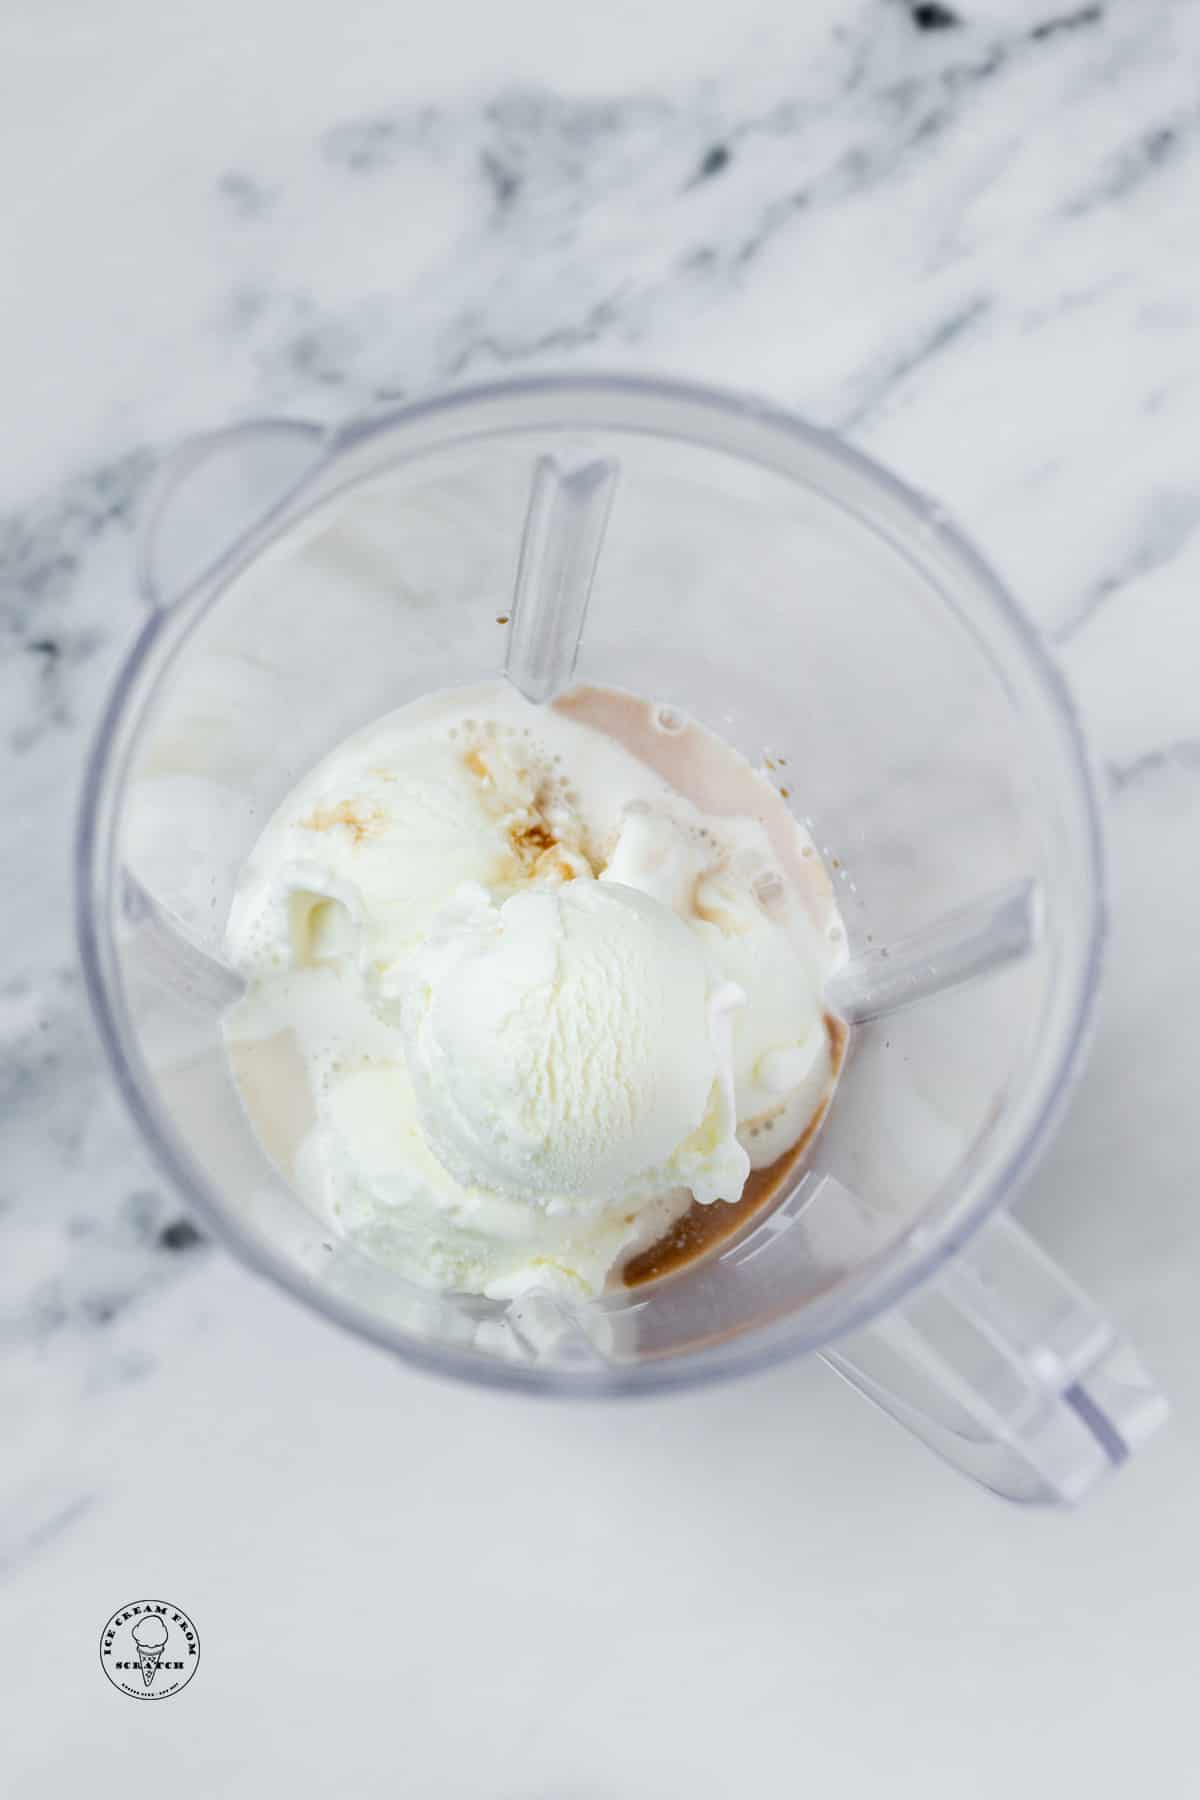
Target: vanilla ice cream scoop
<point>372,843</point>
<point>515,1002</point>
<point>566,1047</point>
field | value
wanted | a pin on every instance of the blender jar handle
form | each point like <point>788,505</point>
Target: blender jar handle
<point>1006,1369</point>
<point>211,491</point>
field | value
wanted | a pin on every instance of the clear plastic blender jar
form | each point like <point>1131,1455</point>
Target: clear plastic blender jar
<point>716,555</point>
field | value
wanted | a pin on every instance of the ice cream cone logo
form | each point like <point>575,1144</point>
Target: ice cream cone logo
<point>150,1636</point>
<point>149,1649</point>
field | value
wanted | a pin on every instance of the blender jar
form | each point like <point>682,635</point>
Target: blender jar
<point>713,554</point>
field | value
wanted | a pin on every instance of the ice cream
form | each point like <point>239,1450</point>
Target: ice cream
<point>568,1043</point>
<point>542,1002</point>
<point>368,856</point>
<point>150,1636</point>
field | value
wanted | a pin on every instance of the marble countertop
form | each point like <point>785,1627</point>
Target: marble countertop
<point>966,237</point>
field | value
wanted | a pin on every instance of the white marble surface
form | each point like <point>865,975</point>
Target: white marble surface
<point>974,250</point>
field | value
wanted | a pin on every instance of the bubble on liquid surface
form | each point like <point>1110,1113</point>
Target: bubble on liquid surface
<point>768,890</point>
<point>668,719</point>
